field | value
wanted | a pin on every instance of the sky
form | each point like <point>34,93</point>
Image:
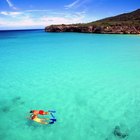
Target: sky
<point>33,14</point>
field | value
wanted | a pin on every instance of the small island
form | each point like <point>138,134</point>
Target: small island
<point>127,23</point>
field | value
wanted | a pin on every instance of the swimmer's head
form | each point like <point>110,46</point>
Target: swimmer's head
<point>31,111</point>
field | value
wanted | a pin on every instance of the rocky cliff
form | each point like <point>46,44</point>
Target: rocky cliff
<point>128,23</point>
<point>115,29</point>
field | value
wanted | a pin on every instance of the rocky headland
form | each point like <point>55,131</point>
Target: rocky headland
<point>128,23</point>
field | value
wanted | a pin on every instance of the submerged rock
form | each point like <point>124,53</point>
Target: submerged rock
<point>120,132</point>
<point>5,109</point>
<point>15,99</point>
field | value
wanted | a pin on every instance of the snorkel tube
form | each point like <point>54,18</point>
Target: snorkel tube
<point>51,111</point>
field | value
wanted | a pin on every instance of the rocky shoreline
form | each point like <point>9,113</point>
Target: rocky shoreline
<point>127,23</point>
<point>114,29</point>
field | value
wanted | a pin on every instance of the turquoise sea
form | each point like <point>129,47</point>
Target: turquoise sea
<point>92,81</point>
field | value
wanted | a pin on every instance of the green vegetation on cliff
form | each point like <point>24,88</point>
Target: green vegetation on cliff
<point>128,23</point>
<point>128,19</point>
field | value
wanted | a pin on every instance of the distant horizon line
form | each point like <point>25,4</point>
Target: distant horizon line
<point>4,30</point>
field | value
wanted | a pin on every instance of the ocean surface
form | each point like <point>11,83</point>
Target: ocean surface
<point>92,81</point>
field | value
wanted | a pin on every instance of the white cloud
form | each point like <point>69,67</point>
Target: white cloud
<point>2,22</point>
<point>36,10</point>
<point>13,14</point>
<point>28,21</point>
<point>76,4</point>
<point>11,4</point>
<point>4,13</point>
<point>29,18</point>
<point>71,5</point>
<point>24,22</point>
<point>61,20</point>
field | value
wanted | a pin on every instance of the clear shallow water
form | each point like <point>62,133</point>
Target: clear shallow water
<point>91,80</point>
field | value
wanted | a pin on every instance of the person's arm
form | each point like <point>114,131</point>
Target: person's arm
<point>47,113</point>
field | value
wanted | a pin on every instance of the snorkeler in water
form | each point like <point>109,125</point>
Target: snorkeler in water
<point>35,113</point>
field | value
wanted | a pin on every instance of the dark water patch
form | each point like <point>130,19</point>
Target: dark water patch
<point>16,99</point>
<point>5,106</point>
<point>12,34</point>
<point>120,132</point>
<point>7,37</point>
<point>22,103</point>
<point>4,35</point>
<point>5,109</point>
<point>8,105</point>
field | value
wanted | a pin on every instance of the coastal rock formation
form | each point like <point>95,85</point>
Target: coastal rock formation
<point>68,28</point>
<point>115,29</point>
<point>122,24</point>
